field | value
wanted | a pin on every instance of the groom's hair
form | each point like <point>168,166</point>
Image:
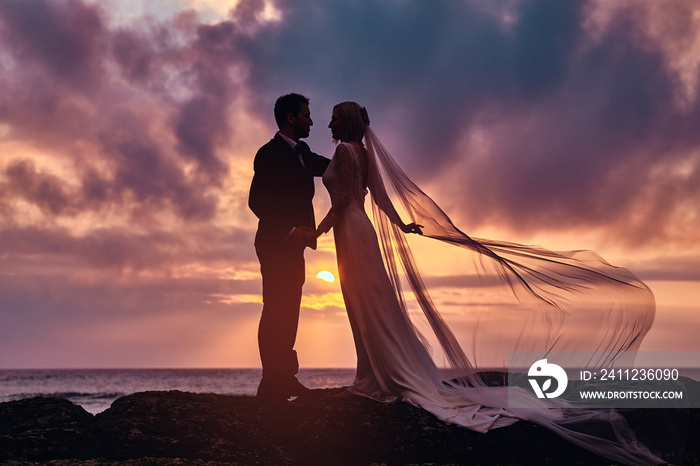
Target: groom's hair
<point>290,103</point>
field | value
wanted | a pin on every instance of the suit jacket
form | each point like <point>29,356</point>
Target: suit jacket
<point>282,190</point>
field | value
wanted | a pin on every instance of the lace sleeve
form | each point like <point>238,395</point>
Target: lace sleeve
<point>344,168</point>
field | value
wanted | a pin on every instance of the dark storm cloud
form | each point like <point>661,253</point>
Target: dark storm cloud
<point>146,100</point>
<point>578,126</point>
<point>63,38</point>
<point>46,191</point>
<point>436,63</point>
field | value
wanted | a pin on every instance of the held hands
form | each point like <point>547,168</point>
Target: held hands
<point>303,236</point>
<point>412,228</point>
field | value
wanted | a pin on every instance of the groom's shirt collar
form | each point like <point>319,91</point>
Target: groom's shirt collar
<point>292,143</point>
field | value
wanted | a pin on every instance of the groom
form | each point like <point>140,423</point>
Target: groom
<point>281,197</point>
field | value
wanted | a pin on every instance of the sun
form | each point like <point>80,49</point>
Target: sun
<point>326,275</point>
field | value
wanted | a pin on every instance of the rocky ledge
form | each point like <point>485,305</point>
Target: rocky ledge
<point>206,429</point>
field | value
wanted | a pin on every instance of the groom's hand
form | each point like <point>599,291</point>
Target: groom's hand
<point>309,236</point>
<point>302,236</point>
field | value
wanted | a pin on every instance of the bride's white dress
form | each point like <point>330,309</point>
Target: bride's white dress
<point>392,362</point>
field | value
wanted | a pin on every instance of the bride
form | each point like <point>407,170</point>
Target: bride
<point>393,359</point>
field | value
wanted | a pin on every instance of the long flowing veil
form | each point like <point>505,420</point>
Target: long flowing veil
<point>570,301</point>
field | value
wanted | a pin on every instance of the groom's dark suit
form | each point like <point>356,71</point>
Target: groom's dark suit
<point>281,197</point>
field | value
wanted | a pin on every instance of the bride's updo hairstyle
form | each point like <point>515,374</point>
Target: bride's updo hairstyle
<point>356,121</point>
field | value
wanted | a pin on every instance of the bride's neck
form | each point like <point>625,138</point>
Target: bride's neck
<point>359,143</point>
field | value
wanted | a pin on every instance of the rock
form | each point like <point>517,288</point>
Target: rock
<point>188,425</point>
<point>207,429</point>
<point>322,430</point>
<point>40,429</point>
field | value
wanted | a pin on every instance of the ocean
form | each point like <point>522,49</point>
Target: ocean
<point>96,389</point>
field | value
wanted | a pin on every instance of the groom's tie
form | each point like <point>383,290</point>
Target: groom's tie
<point>300,149</point>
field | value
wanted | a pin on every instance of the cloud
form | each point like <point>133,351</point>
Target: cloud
<point>127,140</point>
<point>578,125</point>
<point>541,120</point>
<point>680,268</point>
<point>54,321</point>
<point>147,105</point>
<point>118,251</point>
<point>61,38</point>
<point>46,191</point>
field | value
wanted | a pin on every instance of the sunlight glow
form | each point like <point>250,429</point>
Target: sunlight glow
<point>326,275</point>
<point>326,302</point>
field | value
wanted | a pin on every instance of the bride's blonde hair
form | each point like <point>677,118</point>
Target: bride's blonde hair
<point>355,118</point>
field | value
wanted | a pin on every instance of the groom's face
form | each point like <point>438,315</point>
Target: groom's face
<point>302,123</point>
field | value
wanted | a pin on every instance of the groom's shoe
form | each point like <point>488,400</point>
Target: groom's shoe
<point>271,400</point>
<point>271,393</point>
<point>295,388</point>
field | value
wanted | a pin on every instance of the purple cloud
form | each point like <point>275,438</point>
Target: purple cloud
<point>122,144</point>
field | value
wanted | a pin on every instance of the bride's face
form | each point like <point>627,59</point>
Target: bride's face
<point>337,126</point>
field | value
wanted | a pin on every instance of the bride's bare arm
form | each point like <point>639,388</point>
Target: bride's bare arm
<point>384,203</point>
<point>345,173</point>
<point>395,218</point>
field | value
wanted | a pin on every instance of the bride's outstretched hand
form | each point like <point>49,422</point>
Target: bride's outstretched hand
<point>412,228</point>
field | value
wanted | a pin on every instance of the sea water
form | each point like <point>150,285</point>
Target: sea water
<point>96,389</point>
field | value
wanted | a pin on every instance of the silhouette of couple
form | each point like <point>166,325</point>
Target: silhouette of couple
<point>281,196</point>
<point>393,360</point>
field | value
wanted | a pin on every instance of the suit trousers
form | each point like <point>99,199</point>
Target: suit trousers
<point>283,273</point>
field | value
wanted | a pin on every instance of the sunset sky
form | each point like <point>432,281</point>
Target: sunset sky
<point>128,130</point>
